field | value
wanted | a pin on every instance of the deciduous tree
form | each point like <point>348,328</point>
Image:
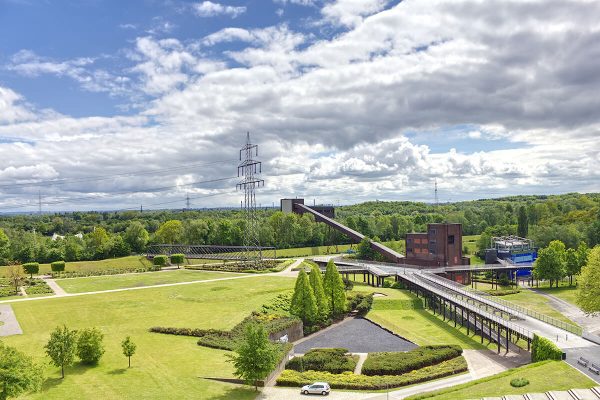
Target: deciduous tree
<point>128,349</point>
<point>256,357</point>
<point>177,259</point>
<point>18,373</point>
<point>170,232</point>
<point>89,346</point>
<point>334,290</point>
<point>588,297</point>
<point>550,263</point>
<point>15,275</point>
<point>136,236</point>
<point>62,347</point>
<point>523,222</point>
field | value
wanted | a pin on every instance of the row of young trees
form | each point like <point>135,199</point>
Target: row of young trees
<point>20,374</point>
<point>318,299</point>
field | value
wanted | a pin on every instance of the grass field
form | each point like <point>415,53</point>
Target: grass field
<point>88,266</point>
<point>168,367</point>
<point>417,325</point>
<point>530,300</point>
<point>95,283</point>
<point>543,377</point>
<point>566,293</point>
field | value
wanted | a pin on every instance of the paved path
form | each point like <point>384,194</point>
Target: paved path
<point>141,287</point>
<point>361,360</point>
<point>588,322</point>
<point>288,271</point>
<point>55,287</point>
<point>10,324</point>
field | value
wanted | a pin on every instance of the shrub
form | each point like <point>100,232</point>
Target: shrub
<point>348,380</point>
<point>400,362</point>
<point>360,302</point>
<point>89,346</point>
<point>57,266</point>
<point>386,284</point>
<point>519,382</point>
<point>348,284</point>
<point>6,291</point>
<point>397,285</point>
<point>31,268</point>
<point>159,261</point>
<point>177,259</point>
<point>335,361</point>
<point>543,349</point>
<point>502,292</point>
<point>503,280</point>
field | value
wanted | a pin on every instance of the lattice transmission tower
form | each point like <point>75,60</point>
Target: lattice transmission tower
<point>250,169</point>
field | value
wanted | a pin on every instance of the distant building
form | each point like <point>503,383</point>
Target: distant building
<point>56,236</point>
<point>440,246</point>
<point>513,249</point>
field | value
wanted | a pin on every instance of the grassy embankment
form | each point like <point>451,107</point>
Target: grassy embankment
<point>164,366</point>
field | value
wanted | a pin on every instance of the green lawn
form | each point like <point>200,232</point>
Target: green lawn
<point>566,293</point>
<point>165,366</point>
<point>530,300</point>
<point>543,377</point>
<point>88,266</point>
<point>95,283</point>
<point>421,327</point>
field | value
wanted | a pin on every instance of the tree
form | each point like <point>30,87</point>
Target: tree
<point>523,226</point>
<point>58,266</point>
<point>304,303</point>
<point>364,250</point>
<point>89,346</point>
<point>316,282</point>
<point>31,268</point>
<point>575,259</point>
<point>97,243</point>
<point>550,263</point>
<point>15,275</point>
<point>4,248</point>
<point>18,373</point>
<point>128,348</point>
<point>170,232</point>
<point>255,357</point>
<point>334,290</point>
<point>159,261</point>
<point>73,248</point>
<point>588,297</point>
<point>118,247</point>
<point>136,236</point>
<point>61,347</point>
<point>177,259</point>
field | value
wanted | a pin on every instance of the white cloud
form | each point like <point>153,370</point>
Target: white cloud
<point>210,9</point>
<point>351,12</point>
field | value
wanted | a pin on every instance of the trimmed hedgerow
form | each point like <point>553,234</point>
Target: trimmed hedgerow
<point>57,266</point>
<point>160,261</point>
<point>544,349</point>
<point>348,380</point>
<point>229,340</point>
<point>400,362</point>
<point>335,360</point>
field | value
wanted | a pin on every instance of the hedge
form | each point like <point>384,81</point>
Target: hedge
<point>348,380</point>
<point>502,292</point>
<point>229,340</point>
<point>400,362</point>
<point>57,266</point>
<point>160,261</point>
<point>335,360</point>
<point>543,349</point>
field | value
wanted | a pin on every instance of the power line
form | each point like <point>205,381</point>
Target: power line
<point>67,181</point>
<point>92,197</point>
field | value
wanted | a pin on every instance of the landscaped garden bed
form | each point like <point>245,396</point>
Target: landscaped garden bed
<point>335,361</point>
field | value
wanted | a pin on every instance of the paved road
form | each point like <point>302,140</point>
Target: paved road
<point>10,324</point>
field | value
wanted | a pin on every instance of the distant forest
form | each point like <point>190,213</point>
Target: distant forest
<point>571,218</point>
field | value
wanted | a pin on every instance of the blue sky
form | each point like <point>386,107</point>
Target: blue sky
<point>348,99</point>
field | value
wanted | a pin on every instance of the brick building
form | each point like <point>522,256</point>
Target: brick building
<point>440,246</point>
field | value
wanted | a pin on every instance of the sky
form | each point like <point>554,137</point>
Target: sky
<point>109,105</point>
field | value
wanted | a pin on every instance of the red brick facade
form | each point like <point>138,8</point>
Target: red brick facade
<point>440,246</point>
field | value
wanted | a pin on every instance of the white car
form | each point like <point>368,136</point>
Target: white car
<point>316,388</point>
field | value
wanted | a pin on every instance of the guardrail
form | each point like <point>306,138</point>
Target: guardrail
<point>423,282</point>
<point>575,329</point>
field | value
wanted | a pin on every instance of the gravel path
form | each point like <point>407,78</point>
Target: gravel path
<point>11,325</point>
<point>358,335</point>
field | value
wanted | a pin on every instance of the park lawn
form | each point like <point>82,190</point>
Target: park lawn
<point>421,327</point>
<point>164,366</point>
<point>566,293</point>
<point>96,283</point>
<point>92,266</point>
<point>531,300</point>
<point>543,377</point>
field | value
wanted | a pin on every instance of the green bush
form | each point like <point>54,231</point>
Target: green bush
<point>6,291</point>
<point>160,261</point>
<point>335,361</point>
<point>89,346</point>
<point>400,362</point>
<point>519,382</point>
<point>348,284</point>
<point>348,380</point>
<point>397,285</point>
<point>543,349</point>
<point>502,292</point>
<point>386,284</point>
<point>360,302</point>
<point>177,259</point>
<point>31,268</point>
<point>57,266</point>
